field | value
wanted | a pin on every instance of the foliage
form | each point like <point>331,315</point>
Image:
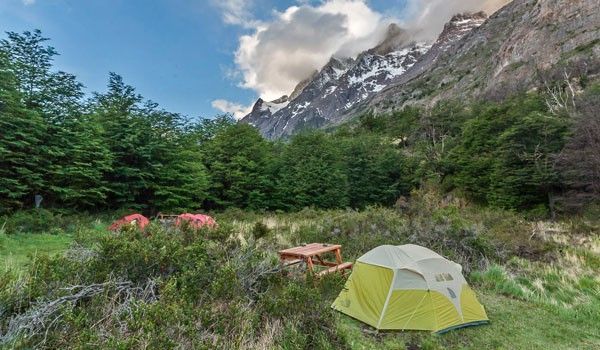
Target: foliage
<point>504,157</point>
<point>237,159</point>
<point>183,289</point>
<point>311,173</point>
<point>118,150</point>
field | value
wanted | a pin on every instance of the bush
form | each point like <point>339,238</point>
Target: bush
<point>165,289</point>
<point>260,230</point>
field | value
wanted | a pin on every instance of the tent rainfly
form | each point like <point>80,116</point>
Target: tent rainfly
<point>409,287</point>
<point>195,221</point>
<point>138,220</point>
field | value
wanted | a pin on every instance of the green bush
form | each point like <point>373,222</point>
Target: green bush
<point>260,230</point>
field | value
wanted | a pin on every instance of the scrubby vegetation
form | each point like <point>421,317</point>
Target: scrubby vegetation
<point>224,288</point>
<point>508,189</point>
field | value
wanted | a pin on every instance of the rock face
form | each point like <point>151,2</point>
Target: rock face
<point>343,83</point>
<point>516,49</point>
<point>473,57</point>
<point>331,95</point>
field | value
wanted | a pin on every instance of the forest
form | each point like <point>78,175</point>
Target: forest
<point>117,150</point>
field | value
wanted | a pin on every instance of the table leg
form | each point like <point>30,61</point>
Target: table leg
<point>338,256</point>
<point>320,260</point>
<point>309,263</point>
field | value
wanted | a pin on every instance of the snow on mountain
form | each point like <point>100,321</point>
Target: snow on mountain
<point>345,84</point>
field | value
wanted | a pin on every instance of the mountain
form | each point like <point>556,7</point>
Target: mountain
<point>339,86</point>
<point>330,95</point>
<point>520,47</point>
<point>525,45</point>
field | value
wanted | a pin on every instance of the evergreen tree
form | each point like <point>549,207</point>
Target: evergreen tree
<point>128,137</point>
<point>504,155</point>
<point>54,94</point>
<point>21,150</point>
<point>377,173</point>
<point>311,173</point>
<point>237,160</point>
<point>181,181</point>
<point>77,175</point>
<point>523,173</point>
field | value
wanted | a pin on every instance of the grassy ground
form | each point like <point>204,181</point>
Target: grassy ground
<point>541,292</point>
<point>17,250</point>
<point>514,324</point>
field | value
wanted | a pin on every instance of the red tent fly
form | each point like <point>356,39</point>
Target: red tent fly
<point>138,220</point>
<point>195,221</point>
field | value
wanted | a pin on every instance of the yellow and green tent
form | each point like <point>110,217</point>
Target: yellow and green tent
<point>409,287</point>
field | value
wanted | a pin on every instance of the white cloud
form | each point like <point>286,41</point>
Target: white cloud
<point>237,12</point>
<point>28,2</point>
<point>429,16</point>
<point>237,110</point>
<point>280,53</point>
<point>286,49</point>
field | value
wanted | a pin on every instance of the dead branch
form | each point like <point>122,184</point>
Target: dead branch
<point>42,316</point>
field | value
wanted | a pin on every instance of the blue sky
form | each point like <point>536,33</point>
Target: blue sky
<point>179,53</point>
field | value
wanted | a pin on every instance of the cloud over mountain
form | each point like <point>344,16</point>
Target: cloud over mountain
<point>428,17</point>
<point>301,39</point>
<point>286,49</point>
<point>238,111</point>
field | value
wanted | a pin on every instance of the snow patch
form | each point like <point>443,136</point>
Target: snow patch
<point>273,107</point>
<point>330,90</point>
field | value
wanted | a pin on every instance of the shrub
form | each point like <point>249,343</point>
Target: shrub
<point>260,230</point>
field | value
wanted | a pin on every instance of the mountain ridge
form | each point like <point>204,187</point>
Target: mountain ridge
<point>473,57</point>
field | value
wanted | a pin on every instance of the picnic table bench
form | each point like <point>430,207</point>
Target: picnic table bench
<point>311,254</point>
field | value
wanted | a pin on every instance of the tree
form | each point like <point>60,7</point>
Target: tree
<point>54,94</point>
<point>237,159</point>
<point>504,156</point>
<point>524,172</point>
<point>311,173</point>
<point>181,181</point>
<point>377,172</point>
<point>156,164</point>
<point>128,137</point>
<point>77,174</point>
<point>579,161</point>
<point>74,157</point>
<point>21,150</point>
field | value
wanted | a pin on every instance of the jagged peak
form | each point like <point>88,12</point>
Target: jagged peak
<point>258,105</point>
<point>281,100</point>
<point>395,38</point>
<point>460,17</point>
<point>301,85</point>
<point>466,19</point>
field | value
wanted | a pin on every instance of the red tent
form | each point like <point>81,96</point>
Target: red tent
<point>195,220</point>
<point>134,219</point>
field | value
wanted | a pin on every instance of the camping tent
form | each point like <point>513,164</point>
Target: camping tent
<point>138,220</point>
<point>195,221</point>
<point>409,287</point>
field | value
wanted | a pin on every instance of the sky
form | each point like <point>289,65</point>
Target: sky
<point>202,58</point>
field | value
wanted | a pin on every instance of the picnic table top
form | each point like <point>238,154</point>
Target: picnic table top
<point>309,250</point>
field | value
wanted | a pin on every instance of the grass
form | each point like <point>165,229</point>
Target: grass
<point>514,324</point>
<point>551,301</point>
<point>17,250</point>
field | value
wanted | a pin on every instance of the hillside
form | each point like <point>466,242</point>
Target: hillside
<point>527,44</point>
<point>344,84</point>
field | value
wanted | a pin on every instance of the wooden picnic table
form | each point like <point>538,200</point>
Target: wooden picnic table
<point>311,254</point>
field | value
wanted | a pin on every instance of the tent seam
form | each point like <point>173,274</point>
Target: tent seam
<point>413,314</point>
<point>387,300</point>
<point>434,309</point>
